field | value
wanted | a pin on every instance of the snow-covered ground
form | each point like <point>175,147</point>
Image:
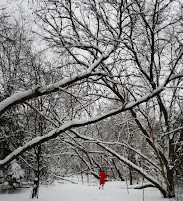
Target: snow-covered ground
<point>113,191</point>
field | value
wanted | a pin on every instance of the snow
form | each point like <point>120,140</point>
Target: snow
<point>70,124</point>
<point>65,191</point>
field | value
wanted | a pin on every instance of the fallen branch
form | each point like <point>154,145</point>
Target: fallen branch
<point>147,185</point>
<point>63,178</point>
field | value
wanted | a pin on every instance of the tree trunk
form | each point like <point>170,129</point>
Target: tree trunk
<point>171,186</point>
<point>130,175</point>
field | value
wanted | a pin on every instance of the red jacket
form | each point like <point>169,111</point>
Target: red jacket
<point>102,177</point>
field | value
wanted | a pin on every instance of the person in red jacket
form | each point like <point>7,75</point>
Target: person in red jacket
<point>102,176</point>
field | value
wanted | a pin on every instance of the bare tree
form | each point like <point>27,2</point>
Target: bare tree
<point>128,52</point>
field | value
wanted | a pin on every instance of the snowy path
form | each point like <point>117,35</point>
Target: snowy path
<point>114,191</point>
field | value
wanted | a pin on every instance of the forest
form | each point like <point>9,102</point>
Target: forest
<point>87,85</point>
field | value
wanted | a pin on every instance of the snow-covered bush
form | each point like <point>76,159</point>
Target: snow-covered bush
<point>15,173</point>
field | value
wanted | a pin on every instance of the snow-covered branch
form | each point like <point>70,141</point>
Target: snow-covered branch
<point>73,124</point>
<point>37,91</point>
<point>170,132</point>
<point>135,151</point>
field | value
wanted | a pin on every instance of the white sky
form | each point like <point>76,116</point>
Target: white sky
<point>17,9</point>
